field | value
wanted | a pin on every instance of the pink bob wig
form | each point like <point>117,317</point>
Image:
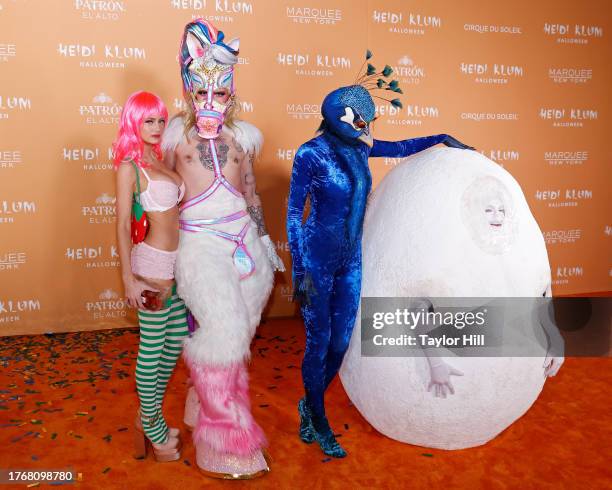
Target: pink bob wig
<point>129,144</point>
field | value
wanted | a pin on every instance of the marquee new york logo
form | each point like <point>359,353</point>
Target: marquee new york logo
<point>554,237</point>
<point>102,110</point>
<point>12,260</point>
<point>10,158</point>
<point>569,158</point>
<point>303,110</point>
<point>314,64</point>
<point>287,292</point>
<point>100,9</point>
<point>573,33</point>
<point>313,15</point>
<point>407,23</point>
<point>91,159</point>
<point>570,75</point>
<point>7,52</point>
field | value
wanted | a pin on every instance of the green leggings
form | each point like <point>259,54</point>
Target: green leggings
<point>161,340</point>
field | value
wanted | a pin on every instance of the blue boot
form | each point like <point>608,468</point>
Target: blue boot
<point>326,439</point>
<point>306,430</point>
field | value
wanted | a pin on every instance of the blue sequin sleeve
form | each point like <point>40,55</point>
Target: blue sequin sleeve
<point>301,181</point>
<point>404,148</point>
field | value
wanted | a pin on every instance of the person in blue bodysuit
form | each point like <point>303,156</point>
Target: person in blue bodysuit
<point>332,169</point>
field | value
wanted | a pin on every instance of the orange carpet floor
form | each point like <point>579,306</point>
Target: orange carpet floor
<point>68,400</point>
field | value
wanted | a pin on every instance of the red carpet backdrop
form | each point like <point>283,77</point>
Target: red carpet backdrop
<point>525,82</point>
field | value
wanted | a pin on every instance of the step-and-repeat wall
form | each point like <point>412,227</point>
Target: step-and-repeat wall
<point>525,82</point>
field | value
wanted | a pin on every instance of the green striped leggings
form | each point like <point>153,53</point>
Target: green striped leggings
<point>161,340</point>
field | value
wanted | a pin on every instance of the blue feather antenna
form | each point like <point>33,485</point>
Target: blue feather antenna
<point>378,80</point>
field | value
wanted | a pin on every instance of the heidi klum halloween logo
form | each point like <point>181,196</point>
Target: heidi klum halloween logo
<point>502,157</point>
<point>407,22</point>
<point>11,210</point>
<point>409,115</point>
<point>99,9</point>
<point>559,198</point>
<point>103,211</point>
<point>285,154</point>
<point>101,110</point>
<point>314,64</point>
<point>573,33</point>
<point>10,104</point>
<point>108,304</point>
<point>102,56</point>
<point>491,73</point>
<point>568,118</point>
<point>10,309</point>
<point>214,10</point>
<point>94,257</point>
<point>90,159</point>
<point>563,274</point>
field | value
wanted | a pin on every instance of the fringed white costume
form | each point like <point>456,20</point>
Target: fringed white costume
<point>223,271</point>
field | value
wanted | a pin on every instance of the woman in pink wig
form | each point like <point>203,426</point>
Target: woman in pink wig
<point>148,266</point>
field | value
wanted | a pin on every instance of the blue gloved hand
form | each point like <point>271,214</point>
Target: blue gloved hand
<point>455,143</point>
<point>303,288</point>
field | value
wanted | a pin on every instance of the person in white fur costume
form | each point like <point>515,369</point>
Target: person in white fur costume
<point>224,269</point>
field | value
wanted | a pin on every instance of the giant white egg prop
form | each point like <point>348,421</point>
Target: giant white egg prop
<point>447,223</point>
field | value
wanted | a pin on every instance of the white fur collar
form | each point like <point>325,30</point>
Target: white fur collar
<point>247,135</point>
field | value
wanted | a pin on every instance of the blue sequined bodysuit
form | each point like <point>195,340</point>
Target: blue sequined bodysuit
<point>326,249</point>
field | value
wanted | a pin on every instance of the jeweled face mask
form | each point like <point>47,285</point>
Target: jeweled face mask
<point>207,69</point>
<point>212,91</point>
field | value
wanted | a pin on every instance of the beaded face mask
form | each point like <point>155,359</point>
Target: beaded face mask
<point>207,69</point>
<point>211,94</point>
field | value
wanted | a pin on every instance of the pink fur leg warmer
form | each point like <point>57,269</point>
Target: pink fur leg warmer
<point>225,421</point>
